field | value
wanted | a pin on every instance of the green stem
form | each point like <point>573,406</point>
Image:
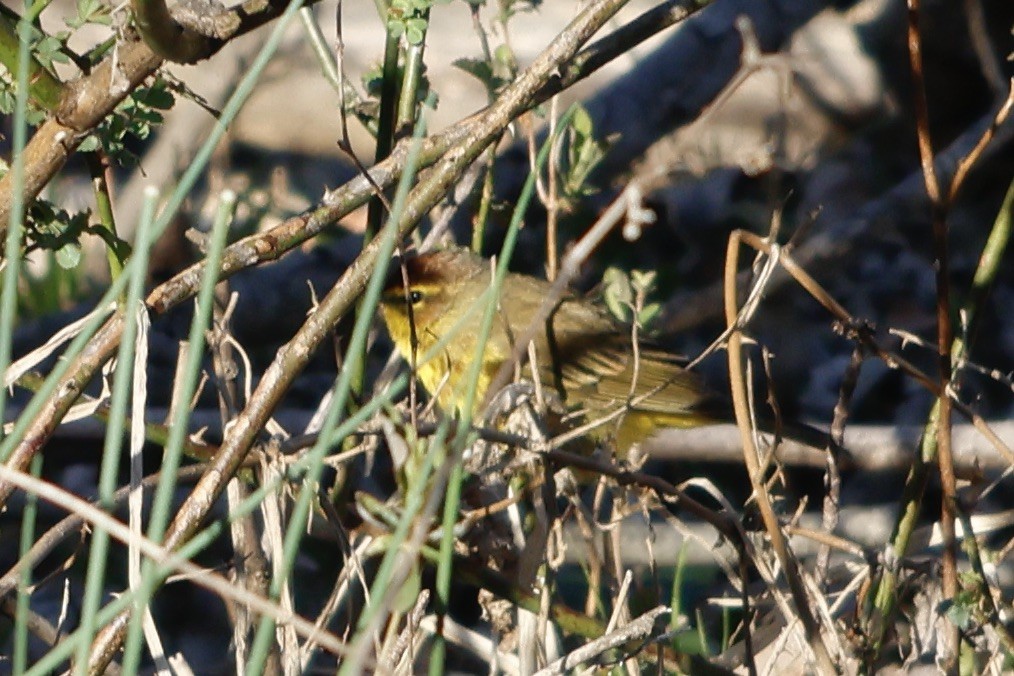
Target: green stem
<point>161,510</point>
<point>28,518</point>
<point>329,67</point>
<point>377,208</point>
<point>385,125</point>
<point>154,433</point>
<point>452,500</point>
<point>98,165</point>
<point>111,451</point>
<point>411,79</point>
<point>343,391</point>
<point>485,201</point>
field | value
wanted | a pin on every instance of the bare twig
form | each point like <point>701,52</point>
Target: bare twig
<point>639,629</point>
<point>832,475</point>
<point>856,331</point>
<point>969,160</point>
<point>785,556</point>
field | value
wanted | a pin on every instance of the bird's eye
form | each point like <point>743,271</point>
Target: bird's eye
<point>415,297</point>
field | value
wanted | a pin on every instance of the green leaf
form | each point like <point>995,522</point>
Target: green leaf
<point>48,50</point>
<point>643,280</point>
<point>91,11</point>
<point>156,97</point>
<point>617,293</point>
<point>960,614</point>
<point>503,56</point>
<point>69,255</point>
<point>581,122</point>
<point>649,313</point>
<point>475,67</point>
<point>583,154</point>
<point>415,31</point>
<point>90,144</point>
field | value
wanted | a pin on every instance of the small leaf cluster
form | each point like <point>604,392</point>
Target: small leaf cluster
<point>583,154</point>
<point>132,121</point>
<point>408,18</point>
<point>499,66</point>
<point>50,49</point>
<point>47,51</point>
<point>625,295</point>
<point>91,12</point>
<point>8,100</point>
<point>53,229</point>
<point>967,608</point>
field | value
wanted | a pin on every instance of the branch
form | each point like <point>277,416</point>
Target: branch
<point>90,98</point>
<point>167,38</point>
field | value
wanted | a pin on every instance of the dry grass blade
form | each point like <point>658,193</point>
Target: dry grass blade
<point>165,557</point>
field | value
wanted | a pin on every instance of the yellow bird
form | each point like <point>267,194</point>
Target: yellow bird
<point>582,353</point>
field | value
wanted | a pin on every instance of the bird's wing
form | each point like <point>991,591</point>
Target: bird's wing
<point>603,372</point>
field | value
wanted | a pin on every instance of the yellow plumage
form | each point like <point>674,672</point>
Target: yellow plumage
<point>582,353</point>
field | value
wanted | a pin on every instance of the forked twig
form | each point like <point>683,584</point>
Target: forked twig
<point>779,544</point>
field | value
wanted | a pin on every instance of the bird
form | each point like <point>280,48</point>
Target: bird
<point>582,353</point>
